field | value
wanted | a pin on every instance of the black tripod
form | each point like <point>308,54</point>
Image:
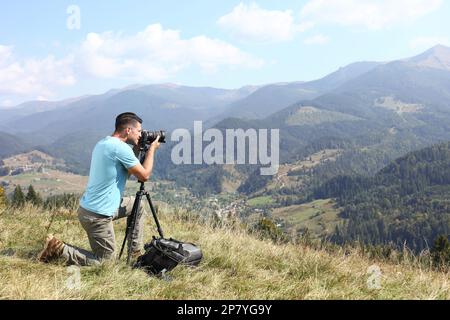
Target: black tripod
<point>135,216</point>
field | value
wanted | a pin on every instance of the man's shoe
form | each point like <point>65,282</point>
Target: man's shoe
<point>53,249</point>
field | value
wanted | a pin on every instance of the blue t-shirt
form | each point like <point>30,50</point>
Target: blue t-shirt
<point>110,162</point>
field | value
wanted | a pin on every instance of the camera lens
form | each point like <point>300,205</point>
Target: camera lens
<point>152,135</point>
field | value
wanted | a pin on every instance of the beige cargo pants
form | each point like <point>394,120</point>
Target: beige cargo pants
<point>101,236</point>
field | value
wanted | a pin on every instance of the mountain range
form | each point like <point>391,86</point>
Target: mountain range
<point>365,122</point>
<point>367,104</point>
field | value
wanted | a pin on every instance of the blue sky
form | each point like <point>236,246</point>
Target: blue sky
<point>227,44</point>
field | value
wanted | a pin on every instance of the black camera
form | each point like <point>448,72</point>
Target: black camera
<point>147,137</point>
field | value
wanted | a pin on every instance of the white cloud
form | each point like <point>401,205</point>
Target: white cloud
<point>153,54</point>
<point>428,42</point>
<point>156,54</point>
<point>33,77</point>
<point>252,23</point>
<point>5,54</point>
<point>319,39</point>
<point>370,14</point>
<point>6,103</point>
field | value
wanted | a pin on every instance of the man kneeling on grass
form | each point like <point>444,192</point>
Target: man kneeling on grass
<point>113,161</point>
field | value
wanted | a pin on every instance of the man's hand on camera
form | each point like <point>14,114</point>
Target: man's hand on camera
<point>155,144</point>
<point>144,170</point>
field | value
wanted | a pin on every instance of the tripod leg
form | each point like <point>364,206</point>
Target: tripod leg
<point>154,215</point>
<point>131,221</point>
<point>134,217</point>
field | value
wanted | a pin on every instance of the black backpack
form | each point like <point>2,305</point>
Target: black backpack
<point>162,255</point>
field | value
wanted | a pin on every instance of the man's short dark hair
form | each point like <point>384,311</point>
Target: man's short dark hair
<point>126,119</point>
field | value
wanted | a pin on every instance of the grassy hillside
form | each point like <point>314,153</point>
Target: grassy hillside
<point>49,183</point>
<point>48,175</point>
<point>236,265</point>
<point>319,217</point>
<point>406,202</point>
